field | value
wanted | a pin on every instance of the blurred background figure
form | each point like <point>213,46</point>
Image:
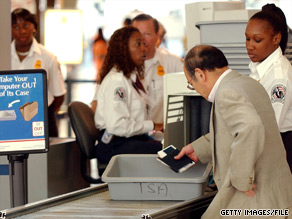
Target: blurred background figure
<point>127,22</point>
<point>99,49</point>
<point>158,62</point>
<point>27,53</point>
<point>161,34</point>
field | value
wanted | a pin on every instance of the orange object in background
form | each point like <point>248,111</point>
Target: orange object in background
<point>99,50</point>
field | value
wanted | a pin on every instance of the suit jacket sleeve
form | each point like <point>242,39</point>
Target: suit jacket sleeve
<point>247,132</point>
<point>202,148</point>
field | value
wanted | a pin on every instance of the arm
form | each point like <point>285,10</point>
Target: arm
<point>280,95</point>
<point>198,150</point>
<point>93,105</point>
<point>247,132</point>
<point>56,84</point>
<point>94,100</point>
<point>57,103</point>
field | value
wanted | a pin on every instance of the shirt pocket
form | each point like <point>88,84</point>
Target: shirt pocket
<point>157,83</point>
<point>156,88</point>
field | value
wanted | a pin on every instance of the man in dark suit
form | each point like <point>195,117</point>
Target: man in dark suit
<point>244,143</point>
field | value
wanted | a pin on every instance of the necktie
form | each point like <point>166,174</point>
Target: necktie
<point>138,85</point>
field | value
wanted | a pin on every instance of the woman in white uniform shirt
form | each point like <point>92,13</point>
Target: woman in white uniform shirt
<point>122,104</point>
<point>27,53</point>
<point>266,41</point>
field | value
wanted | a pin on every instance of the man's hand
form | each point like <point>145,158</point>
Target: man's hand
<point>251,193</point>
<point>189,151</point>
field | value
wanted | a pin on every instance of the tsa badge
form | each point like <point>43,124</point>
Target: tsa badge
<point>278,93</point>
<point>120,93</point>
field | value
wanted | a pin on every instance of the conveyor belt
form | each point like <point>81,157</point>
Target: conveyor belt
<point>192,209</point>
<point>95,202</point>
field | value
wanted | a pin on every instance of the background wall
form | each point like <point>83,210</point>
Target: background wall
<point>5,36</point>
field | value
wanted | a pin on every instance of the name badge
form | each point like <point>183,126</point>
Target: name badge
<point>38,64</point>
<point>160,70</point>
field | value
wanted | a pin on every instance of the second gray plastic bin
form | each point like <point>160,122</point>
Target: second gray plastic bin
<point>143,177</point>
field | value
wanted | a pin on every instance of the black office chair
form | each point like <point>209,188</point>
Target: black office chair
<point>82,122</point>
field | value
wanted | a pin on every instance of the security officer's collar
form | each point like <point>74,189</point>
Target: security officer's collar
<point>263,67</point>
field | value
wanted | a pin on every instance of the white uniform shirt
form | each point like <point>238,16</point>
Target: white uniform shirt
<point>163,62</point>
<point>96,92</point>
<point>121,110</point>
<point>39,57</point>
<point>275,74</point>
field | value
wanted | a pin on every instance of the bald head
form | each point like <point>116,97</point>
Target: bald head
<point>203,66</point>
<point>205,57</point>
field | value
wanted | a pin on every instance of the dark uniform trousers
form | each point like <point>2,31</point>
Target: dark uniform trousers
<point>140,144</point>
<point>287,140</point>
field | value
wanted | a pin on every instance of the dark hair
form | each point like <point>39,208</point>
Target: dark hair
<point>276,19</point>
<point>25,15</point>
<point>205,57</point>
<point>147,17</point>
<point>127,21</point>
<point>118,54</point>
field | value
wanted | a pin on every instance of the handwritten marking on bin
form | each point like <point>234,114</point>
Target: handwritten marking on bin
<point>154,188</point>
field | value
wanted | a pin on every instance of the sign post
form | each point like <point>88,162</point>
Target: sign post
<point>18,179</point>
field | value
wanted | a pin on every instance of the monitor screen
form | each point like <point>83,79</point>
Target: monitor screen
<point>23,112</point>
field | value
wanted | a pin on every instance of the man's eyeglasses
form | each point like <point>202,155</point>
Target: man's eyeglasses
<point>190,86</point>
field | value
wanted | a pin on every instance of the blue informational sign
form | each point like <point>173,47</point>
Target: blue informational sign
<point>23,112</point>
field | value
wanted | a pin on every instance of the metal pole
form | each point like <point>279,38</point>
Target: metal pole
<point>18,179</point>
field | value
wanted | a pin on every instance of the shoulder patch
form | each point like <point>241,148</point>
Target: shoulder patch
<point>278,93</point>
<point>120,93</point>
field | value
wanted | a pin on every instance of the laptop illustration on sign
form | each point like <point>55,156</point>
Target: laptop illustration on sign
<point>6,115</point>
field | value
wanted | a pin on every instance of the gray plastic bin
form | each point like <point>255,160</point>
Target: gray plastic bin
<point>143,177</point>
<point>222,32</point>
